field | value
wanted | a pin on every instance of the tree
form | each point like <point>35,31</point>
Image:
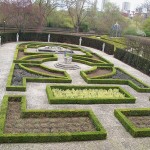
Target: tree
<point>44,8</point>
<point>78,10</point>
<point>110,16</point>
<point>146,26</point>
<point>16,12</point>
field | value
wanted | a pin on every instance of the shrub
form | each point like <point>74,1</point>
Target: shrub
<point>62,38</point>
<point>133,60</point>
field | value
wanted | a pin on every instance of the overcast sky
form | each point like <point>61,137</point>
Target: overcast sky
<point>133,3</point>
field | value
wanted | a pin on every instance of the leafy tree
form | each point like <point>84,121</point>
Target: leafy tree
<point>77,10</point>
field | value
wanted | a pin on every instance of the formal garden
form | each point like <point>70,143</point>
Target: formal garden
<point>60,91</point>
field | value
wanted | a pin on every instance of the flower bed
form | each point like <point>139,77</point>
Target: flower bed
<point>136,121</point>
<point>118,76</point>
<point>20,74</point>
<point>17,125</point>
<point>87,95</point>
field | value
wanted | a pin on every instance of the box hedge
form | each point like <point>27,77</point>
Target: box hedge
<point>99,134</point>
<point>121,115</point>
<point>127,99</point>
<point>133,60</point>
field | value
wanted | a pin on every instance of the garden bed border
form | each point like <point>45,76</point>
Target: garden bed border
<point>52,100</point>
<point>129,126</point>
<point>115,81</point>
<point>48,79</point>
<point>100,134</point>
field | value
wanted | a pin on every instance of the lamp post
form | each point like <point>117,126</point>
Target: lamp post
<point>4,25</point>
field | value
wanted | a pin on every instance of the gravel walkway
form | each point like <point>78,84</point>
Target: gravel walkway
<point>117,139</point>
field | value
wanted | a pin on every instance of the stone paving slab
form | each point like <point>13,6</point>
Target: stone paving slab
<point>117,139</point>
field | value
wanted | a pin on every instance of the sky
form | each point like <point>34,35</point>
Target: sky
<point>133,3</point>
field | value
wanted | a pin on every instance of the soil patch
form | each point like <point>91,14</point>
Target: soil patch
<point>96,57</point>
<point>19,73</point>
<point>20,54</point>
<point>38,69</point>
<point>99,72</point>
<point>40,124</point>
<point>121,75</point>
<point>140,121</point>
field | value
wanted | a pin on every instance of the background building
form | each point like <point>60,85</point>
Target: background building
<point>103,4</point>
<point>126,7</point>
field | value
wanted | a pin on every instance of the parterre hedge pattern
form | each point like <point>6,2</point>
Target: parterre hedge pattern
<point>31,63</point>
<point>121,115</point>
<point>98,134</point>
<point>41,77</point>
<point>53,100</point>
<point>113,78</point>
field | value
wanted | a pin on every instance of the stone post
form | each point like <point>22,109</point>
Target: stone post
<point>103,47</point>
<point>17,37</point>
<point>80,41</point>
<point>0,41</point>
<point>49,37</point>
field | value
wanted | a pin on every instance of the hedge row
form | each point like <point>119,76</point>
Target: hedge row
<point>127,99</point>
<point>109,80</point>
<point>62,38</point>
<point>89,60</point>
<point>46,79</point>
<point>112,69</point>
<point>28,58</point>
<point>129,126</point>
<point>133,60</point>
<point>99,134</point>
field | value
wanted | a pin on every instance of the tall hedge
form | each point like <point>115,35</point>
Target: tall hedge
<point>133,60</point>
<point>62,38</point>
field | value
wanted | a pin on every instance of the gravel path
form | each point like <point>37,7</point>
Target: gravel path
<point>117,139</point>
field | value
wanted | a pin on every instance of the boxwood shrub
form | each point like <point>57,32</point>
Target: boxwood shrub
<point>121,115</point>
<point>133,60</point>
<point>99,134</point>
<point>62,38</point>
<point>53,100</point>
<point>46,78</point>
<point>106,79</point>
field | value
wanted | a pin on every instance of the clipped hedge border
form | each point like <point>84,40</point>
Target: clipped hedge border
<point>25,67</point>
<point>128,99</point>
<point>133,60</point>
<point>88,61</point>
<point>91,61</point>
<point>115,81</point>
<point>129,126</point>
<point>62,38</point>
<point>113,72</point>
<point>47,79</point>
<point>29,55</point>
<point>69,46</point>
<point>99,134</point>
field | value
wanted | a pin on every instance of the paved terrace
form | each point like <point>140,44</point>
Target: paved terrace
<point>117,138</point>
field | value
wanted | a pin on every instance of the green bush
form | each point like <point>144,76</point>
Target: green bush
<point>84,27</point>
<point>121,115</point>
<point>133,60</point>
<point>62,38</point>
<point>95,100</point>
<point>99,134</point>
<point>106,79</point>
<point>46,78</point>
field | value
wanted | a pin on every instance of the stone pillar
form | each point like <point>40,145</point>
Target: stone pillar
<point>49,38</point>
<point>80,41</point>
<point>0,41</point>
<point>17,37</point>
<point>103,47</point>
